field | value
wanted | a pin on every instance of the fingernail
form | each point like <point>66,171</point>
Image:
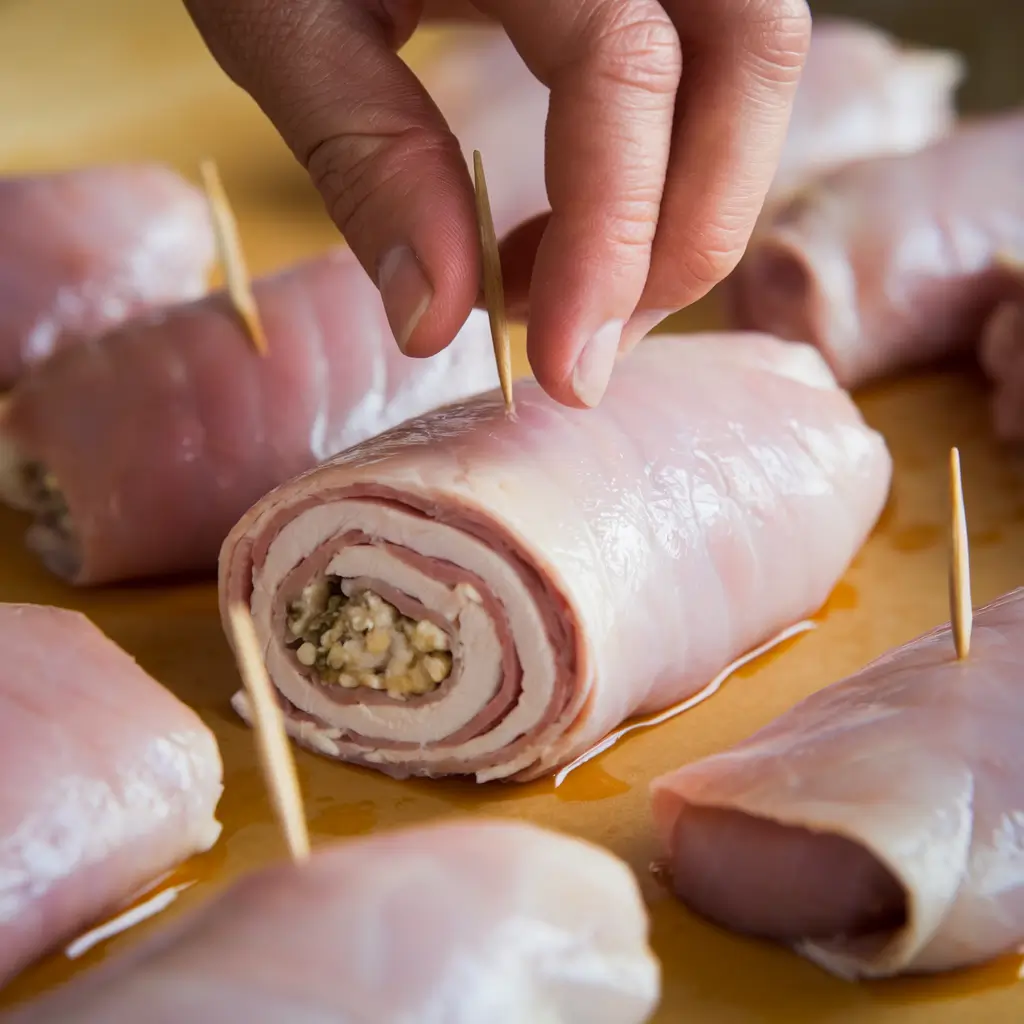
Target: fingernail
<point>405,291</point>
<point>595,363</point>
<point>640,325</point>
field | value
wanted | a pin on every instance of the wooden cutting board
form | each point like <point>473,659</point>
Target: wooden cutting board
<point>116,79</point>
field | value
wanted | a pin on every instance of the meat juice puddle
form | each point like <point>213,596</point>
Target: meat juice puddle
<point>1003,972</point>
<point>64,963</point>
<point>842,599</point>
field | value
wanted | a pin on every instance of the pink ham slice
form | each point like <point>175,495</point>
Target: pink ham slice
<point>163,432</point>
<point>889,263</point>
<point>81,251</point>
<point>861,94</point>
<point>590,565</point>
<point>461,923</point>
<point>109,780</point>
<point>876,825</point>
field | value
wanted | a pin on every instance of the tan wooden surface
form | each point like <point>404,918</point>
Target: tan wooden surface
<point>88,81</point>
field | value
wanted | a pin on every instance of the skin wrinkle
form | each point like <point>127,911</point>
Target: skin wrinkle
<point>645,97</point>
<point>642,54</point>
<point>355,206</point>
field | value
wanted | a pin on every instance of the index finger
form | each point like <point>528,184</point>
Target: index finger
<point>613,67</point>
<point>391,173</point>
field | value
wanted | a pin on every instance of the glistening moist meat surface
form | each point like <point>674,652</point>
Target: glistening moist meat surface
<point>579,566</point>
<point>467,922</point>
<point>109,780</point>
<point>886,264</point>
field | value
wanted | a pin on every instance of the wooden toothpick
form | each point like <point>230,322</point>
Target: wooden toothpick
<point>275,752</point>
<point>494,289</point>
<point>232,260</point>
<point>961,608</point>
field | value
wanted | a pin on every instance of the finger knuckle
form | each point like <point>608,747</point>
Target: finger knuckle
<point>354,170</point>
<point>707,264</point>
<point>638,47</point>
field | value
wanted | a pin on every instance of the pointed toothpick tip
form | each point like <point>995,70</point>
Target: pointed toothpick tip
<point>276,758</point>
<point>232,260</point>
<point>960,604</point>
<point>494,288</point>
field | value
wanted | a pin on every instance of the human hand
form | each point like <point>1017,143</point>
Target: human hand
<point>665,126</point>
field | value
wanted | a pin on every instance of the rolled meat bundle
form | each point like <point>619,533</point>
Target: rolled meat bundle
<point>471,594</point>
<point>875,826</point>
<point>888,263</point>
<point>461,923</point>
<point>863,94</point>
<point>138,452</point>
<point>109,780</point>
<point>83,250</point>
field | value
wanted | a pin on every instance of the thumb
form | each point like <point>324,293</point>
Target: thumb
<point>391,174</point>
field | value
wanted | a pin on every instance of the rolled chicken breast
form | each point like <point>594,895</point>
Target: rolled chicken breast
<point>461,923</point>
<point>876,826</point>
<point>473,594</point>
<point>109,780</point>
<point>137,452</point>
<point>83,250</point>
<point>889,263</point>
<point>864,94</point>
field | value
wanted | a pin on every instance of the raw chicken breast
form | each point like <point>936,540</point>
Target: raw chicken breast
<point>861,94</point>
<point>109,780</point>
<point>889,263</point>
<point>878,826</point>
<point>84,250</point>
<point>463,923</point>
<point>473,594</point>
<point>139,451</point>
